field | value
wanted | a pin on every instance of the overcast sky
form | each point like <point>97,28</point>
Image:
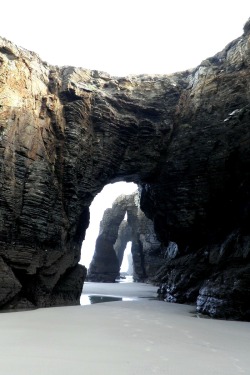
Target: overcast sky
<point>123,37</point>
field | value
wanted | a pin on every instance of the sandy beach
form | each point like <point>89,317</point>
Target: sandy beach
<point>133,337</point>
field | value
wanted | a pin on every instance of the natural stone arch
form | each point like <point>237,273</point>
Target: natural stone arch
<point>113,237</point>
<point>147,251</point>
<point>66,132</point>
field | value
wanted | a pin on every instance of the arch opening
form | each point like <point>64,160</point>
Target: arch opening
<point>101,202</point>
<point>121,224</point>
<point>127,262</point>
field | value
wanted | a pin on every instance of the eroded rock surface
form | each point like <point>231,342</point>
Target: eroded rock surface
<point>66,132</point>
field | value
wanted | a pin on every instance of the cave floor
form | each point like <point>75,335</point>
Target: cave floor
<point>142,336</point>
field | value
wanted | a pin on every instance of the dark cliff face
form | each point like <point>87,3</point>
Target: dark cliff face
<point>66,132</point>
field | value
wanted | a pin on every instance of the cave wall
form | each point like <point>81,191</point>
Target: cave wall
<point>66,132</point>
<point>205,205</point>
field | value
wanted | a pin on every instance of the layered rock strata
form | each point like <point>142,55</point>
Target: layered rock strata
<point>113,237</point>
<point>66,132</point>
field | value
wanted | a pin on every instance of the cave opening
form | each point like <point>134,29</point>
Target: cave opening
<point>102,202</point>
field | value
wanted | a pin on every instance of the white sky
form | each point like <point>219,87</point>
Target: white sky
<point>123,37</point>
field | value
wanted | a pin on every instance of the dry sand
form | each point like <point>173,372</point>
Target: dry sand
<point>117,338</point>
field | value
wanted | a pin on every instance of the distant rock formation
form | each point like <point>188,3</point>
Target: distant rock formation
<point>184,138</point>
<point>113,237</point>
<point>124,235</point>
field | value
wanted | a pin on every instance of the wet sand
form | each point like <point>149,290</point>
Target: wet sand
<point>139,337</point>
<point>123,289</point>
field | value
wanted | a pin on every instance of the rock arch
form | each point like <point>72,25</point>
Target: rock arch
<point>113,237</point>
<point>184,138</point>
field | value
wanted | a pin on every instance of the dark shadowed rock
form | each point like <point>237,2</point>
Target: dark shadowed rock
<point>105,265</point>
<point>9,284</point>
<point>184,138</point>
